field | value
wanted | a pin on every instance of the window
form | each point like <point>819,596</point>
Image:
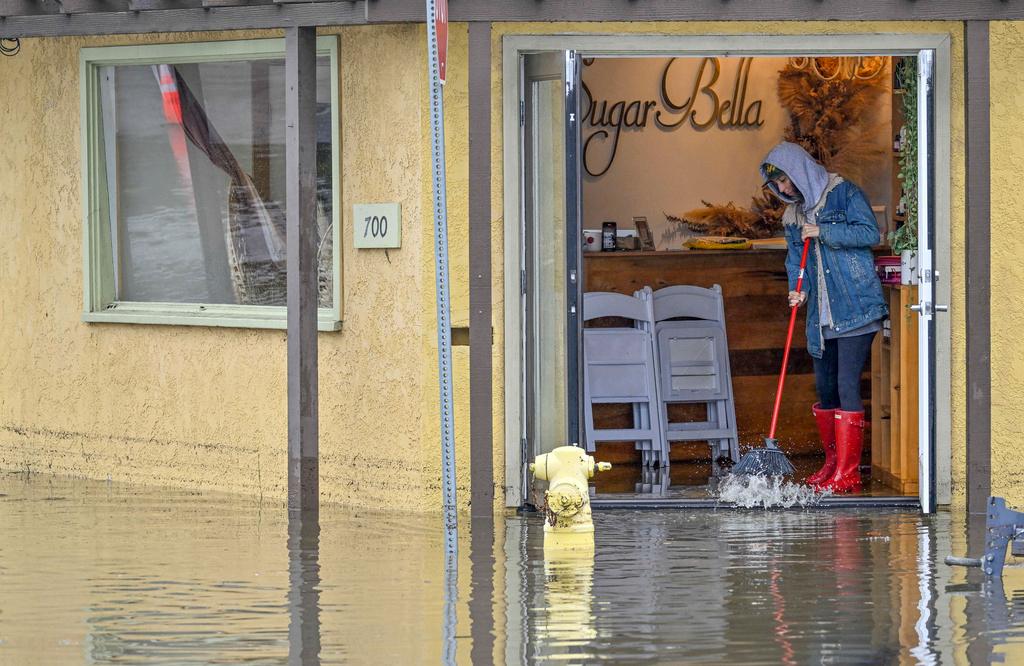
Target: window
<point>184,172</point>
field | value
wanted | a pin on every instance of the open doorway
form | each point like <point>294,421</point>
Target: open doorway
<point>667,147</point>
<point>671,149</point>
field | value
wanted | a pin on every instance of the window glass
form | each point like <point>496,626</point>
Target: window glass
<point>194,161</point>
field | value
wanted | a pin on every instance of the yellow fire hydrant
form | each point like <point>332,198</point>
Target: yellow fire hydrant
<point>567,499</point>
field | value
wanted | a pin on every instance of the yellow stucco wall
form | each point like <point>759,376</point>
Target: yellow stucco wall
<point>1007,108</point>
<point>205,407</point>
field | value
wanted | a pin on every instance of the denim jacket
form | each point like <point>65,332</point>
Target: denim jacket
<point>848,230</point>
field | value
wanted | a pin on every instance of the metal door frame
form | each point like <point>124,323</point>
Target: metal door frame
<point>935,401</point>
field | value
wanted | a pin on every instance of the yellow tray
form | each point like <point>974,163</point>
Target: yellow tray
<point>717,243</point>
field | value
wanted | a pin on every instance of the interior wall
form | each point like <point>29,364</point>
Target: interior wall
<point>647,153</point>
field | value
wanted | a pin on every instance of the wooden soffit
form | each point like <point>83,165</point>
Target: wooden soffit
<point>43,18</point>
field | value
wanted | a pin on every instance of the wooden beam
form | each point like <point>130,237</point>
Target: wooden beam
<point>393,11</point>
<point>28,7</point>
<point>184,19</point>
<point>92,6</point>
<point>481,348</point>
<point>30,19</point>
<point>236,3</point>
<point>978,259</point>
<point>481,345</point>
<point>150,5</point>
<point>300,169</point>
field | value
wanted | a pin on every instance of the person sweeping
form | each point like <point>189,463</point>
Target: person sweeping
<point>843,294</point>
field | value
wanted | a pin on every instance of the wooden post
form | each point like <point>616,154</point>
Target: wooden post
<point>481,347</point>
<point>978,302</point>
<point>300,161</point>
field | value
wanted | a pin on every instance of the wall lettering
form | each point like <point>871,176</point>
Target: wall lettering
<point>706,106</point>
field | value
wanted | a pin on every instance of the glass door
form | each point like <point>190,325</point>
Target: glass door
<point>550,270</point>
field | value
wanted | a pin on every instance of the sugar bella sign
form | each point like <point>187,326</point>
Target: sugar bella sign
<point>712,101</point>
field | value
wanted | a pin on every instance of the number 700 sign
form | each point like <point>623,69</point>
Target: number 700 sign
<point>378,225</point>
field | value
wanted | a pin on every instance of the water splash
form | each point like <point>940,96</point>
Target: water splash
<point>749,491</point>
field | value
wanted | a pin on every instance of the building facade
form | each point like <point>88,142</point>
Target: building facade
<point>195,398</point>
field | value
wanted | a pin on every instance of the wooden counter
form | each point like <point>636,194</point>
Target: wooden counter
<point>894,363</point>
<point>755,287</point>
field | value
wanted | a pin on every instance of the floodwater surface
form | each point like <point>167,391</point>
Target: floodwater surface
<point>99,573</point>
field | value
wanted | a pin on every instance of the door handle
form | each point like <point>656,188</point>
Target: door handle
<point>928,309</point>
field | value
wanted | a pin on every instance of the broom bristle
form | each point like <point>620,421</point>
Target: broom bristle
<point>769,461</point>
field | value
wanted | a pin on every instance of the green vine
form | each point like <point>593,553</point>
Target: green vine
<point>905,238</point>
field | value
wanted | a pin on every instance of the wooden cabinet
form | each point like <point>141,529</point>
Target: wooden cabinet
<point>754,285</point>
<point>894,395</point>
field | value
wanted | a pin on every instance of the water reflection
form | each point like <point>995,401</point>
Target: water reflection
<point>99,573</point>
<point>653,481</point>
<point>992,609</point>
<point>451,586</point>
<point>733,587</point>
<point>567,602</point>
<point>304,587</point>
<point>482,593</point>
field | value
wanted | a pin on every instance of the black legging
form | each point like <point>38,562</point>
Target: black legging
<point>837,372</point>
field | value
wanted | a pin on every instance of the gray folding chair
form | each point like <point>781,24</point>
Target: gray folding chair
<point>619,368</point>
<point>693,365</point>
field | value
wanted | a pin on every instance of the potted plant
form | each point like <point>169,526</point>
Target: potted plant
<point>904,240</point>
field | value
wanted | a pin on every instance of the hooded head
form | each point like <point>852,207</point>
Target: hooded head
<point>792,161</point>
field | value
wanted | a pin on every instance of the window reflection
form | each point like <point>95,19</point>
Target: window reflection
<point>194,157</point>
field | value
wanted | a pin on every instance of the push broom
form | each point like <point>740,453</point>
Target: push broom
<point>771,461</point>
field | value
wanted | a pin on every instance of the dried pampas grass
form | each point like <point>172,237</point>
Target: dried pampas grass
<point>724,220</point>
<point>835,120</point>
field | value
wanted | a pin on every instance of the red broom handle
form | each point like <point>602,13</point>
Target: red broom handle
<point>789,341</point>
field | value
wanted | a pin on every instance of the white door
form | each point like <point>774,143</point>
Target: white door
<point>926,306</point>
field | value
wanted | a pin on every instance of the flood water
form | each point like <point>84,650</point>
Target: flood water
<point>98,573</point>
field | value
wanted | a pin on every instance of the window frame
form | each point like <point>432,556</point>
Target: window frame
<point>99,302</point>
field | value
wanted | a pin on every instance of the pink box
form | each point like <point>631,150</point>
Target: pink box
<point>888,269</point>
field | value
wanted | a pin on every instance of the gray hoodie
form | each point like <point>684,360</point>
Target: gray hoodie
<point>809,177</point>
<point>813,181</point>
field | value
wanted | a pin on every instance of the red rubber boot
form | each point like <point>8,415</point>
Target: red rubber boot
<point>826,419</point>
<point>849,445</point>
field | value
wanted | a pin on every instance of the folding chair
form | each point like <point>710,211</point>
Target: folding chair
<point>693,365</point>
<point>619,367</point>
